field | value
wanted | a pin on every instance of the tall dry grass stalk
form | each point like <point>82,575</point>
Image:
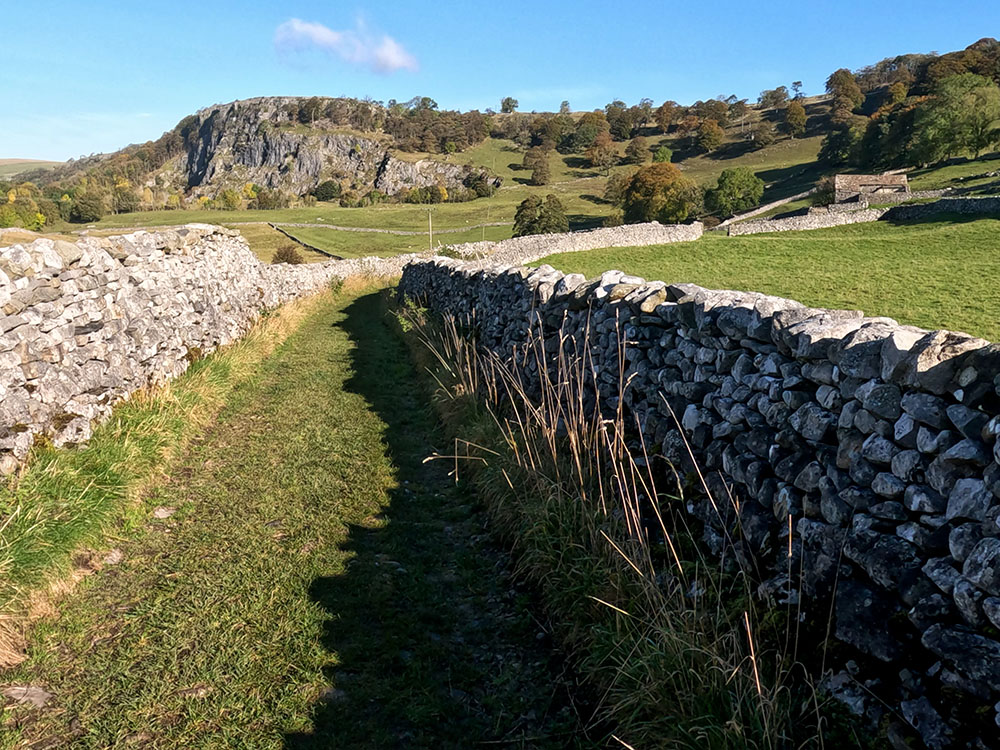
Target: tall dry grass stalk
<point>667,636</point>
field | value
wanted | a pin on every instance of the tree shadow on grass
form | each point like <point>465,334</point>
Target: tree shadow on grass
<point>433,643</point>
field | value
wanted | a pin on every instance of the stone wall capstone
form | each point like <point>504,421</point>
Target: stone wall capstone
<point>85,324</point>
<point>868,448</point>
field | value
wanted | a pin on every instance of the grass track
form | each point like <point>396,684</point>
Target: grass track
<point>317,586</point>
<point>939,274</point>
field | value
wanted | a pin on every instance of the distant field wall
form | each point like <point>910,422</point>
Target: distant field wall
<point>863,455</point>
<point>534,247</point>
<point>842,214</point>
<point>83,325</point>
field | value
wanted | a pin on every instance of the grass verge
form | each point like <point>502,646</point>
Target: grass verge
<point>67,500</point>
<point>301,578</point>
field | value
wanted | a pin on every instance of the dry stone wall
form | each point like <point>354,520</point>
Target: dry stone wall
<point>859,213</point>
<point>867,448</point>
<point>534,247</point>
<point>811,220</point>
<point>83,325</point>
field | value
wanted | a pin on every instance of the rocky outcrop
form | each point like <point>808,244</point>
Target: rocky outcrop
<point>864,457</point>
<point>252,141</point>
<point>83,325</point>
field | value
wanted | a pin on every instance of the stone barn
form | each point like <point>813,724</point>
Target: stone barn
<point>867,187</point>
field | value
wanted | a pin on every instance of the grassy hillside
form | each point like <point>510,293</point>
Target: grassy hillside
<point>11,167</point>
<point>909,272</point>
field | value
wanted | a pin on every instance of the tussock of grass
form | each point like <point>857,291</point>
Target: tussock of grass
<point>669,640</point>
<point>66,500</point>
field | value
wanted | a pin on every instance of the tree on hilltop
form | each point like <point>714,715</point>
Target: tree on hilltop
<point>773,98</point>
<point>508,104</point>
<point>846,93</point>
<point>665,115</point>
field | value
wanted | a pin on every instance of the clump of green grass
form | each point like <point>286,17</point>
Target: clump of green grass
<point>669,639</point>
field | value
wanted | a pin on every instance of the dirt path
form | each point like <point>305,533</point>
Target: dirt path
<point>304,580</point>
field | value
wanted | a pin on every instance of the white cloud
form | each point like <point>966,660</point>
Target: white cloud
<point>358,46</point>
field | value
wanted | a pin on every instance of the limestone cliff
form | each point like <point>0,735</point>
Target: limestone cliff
<point>229,145</point>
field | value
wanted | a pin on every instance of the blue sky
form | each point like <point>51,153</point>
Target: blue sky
<point>84,77</point>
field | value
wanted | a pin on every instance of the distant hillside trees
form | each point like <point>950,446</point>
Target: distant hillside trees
<point>665,115</point>
<point>535,216</point>
<point>537,160</point>
<point>846,94</point>
<point>327,190</point>
<point>624,121</point>
<point>602,154</point>
<point>773,98</point>
<point>614,189</point>
<point>662,154</point>
<point>795,118</point>
<point>737,190</point>
<point>87,208</point>
<point>960,116</point>
<point>659,192</point>
<point>710,135</point>
<point>637,151</point>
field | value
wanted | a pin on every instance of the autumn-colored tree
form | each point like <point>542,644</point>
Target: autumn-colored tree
<point>843,86</point>
<point>601,153</point>
<point>710,135</point>
<point>664,115</point>
<point>659,192</point>
<point>688,125</point>
<point>795,118</point>
<point>637,151</point>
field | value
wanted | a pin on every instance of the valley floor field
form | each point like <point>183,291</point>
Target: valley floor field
<point>939,274</point>
<point>302,579</point>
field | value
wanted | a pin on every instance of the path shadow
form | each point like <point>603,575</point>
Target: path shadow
<point>432,642</point>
